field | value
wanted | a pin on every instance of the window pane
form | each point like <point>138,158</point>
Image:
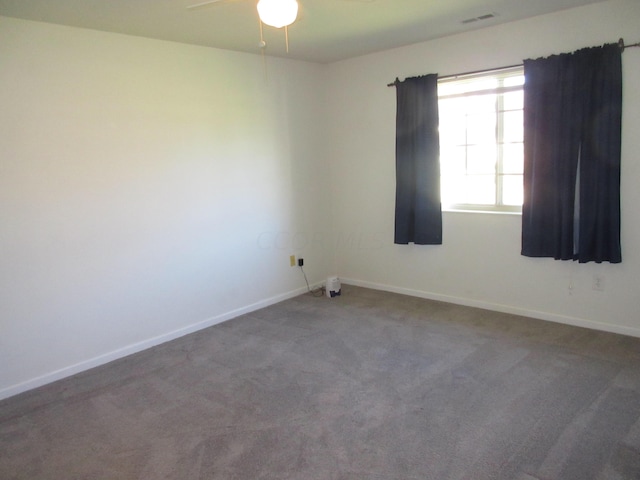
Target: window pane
<point>451,107</point>
<point>481,128</point>
<point>452,122</point>
<point>479,104</point>
<point>513,126</point>
<point>480,189</point>
<point>453,160</point>
<point>512,158</point>
<point>512,192</point>
<point>513,101</point>
<point>514,81</point>
<point>453,189</point>
<point>453,131</point>
<point>465,86</point>
<point>481,159</point>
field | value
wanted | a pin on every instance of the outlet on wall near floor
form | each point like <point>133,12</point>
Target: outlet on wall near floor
<point>292,260</point>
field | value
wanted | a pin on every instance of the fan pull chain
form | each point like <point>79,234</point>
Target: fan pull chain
<point>263,46</point>
<point>286,37</point>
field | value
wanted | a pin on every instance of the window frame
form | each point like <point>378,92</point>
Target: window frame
<point>501,75</point>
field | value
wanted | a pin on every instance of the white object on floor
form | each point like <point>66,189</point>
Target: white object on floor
<point>333,287</point>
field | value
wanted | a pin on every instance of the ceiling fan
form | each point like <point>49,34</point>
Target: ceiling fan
<point>275,13</point>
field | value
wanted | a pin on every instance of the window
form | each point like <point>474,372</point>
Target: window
<point>481,148</point>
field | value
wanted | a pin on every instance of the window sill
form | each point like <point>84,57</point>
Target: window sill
<point>480,210</point>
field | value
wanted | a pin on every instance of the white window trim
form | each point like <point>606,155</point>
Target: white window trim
<point>479,208</point>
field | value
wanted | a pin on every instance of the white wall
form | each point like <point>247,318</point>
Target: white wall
<point>147,189</point>
<point>479,263</point>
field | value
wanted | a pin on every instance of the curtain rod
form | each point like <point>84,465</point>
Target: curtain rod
<point>623,46</point>
<point>397,80</point>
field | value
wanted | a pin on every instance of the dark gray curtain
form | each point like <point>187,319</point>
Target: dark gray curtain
<point>418,210</point>
<point>572,125</point>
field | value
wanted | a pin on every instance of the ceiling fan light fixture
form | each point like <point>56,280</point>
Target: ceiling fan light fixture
<point>278,13</point>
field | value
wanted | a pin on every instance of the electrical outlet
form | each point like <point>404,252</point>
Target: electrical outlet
<point>292,260</point>
<point>300,262</point>
<point>598,283</point>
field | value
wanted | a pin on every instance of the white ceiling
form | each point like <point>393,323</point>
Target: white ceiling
<point>326,30</point>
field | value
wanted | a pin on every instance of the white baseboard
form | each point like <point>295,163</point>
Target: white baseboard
<point>548,316</point>
<point>137,347</point>
<point>145,344</point>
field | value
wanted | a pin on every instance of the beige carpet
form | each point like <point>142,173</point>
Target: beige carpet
<point>370,385</point>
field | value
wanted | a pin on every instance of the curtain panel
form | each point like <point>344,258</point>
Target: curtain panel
<point>572,137</point>
<point>418,214</point>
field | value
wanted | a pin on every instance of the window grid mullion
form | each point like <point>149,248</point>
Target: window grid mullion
<point>499,146</point>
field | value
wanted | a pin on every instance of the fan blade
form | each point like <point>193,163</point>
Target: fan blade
<point>209,2</point>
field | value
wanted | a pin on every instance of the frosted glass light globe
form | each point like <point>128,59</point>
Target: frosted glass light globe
<point>278,13</point>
